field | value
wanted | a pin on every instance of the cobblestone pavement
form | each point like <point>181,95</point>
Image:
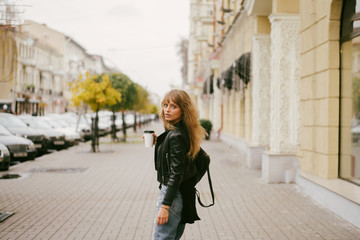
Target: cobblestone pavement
<point>76,194</point>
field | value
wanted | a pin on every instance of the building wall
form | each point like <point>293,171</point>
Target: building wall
<point>237,105</point>
<point>45,35</point>
<point>296,72</point>
<point>49,60</point>
<point>39,77</point>
<point>285,6</point>
<point>319,31</point>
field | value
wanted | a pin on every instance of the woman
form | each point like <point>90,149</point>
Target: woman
<point>175,150</point>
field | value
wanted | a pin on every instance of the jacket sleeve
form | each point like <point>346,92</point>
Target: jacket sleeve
<point>176,163</point>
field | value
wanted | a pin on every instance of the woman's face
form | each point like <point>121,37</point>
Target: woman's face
<point>172,112</point>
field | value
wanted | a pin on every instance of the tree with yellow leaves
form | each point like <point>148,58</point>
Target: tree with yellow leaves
<point>96,92</point>
<point>141,103</point>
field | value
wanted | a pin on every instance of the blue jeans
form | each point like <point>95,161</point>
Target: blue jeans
<point>173,229</point>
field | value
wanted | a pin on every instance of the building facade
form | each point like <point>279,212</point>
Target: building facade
<point>279,81</point>
<point>43,62</point>
<point>38,79</point>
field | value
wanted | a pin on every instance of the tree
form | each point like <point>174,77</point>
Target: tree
<point>154,109</point>
<point>141,102</point>
<point>127,88</point>
<point>96,92</point>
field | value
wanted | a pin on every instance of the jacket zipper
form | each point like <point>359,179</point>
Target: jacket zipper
<point>162,172</point>
<point>167,161</point>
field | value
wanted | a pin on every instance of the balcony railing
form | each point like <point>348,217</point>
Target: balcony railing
<point>28,89</point>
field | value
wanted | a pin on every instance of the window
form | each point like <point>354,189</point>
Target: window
<point>349,150</point>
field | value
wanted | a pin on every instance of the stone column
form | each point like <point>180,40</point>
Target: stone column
<point>279,164</point>
<point>260,99</point>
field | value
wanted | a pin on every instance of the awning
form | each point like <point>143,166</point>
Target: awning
<point>6,101</point>
<point>209,81</point>
<point>228,77</point>
<point>218,82</point>
<point>242,67</point>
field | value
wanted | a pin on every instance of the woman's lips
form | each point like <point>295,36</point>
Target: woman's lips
<point>167,115</point>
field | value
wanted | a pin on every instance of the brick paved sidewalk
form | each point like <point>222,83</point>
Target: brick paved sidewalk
<point>76,194</point>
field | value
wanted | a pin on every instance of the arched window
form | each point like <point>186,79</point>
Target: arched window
<point>349,144</point>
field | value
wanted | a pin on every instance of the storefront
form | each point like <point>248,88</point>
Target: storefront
<point>349,167</point>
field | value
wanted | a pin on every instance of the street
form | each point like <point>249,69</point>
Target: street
<point>77,194</point>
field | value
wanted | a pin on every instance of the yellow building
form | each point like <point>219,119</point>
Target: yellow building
<point>280,80</point>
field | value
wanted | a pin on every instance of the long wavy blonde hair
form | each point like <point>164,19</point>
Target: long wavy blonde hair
<point>189,116</point>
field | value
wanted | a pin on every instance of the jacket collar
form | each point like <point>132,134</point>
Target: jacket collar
<point>179,124</point>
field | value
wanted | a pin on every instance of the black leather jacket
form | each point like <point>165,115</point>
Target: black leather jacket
<point>171,161</point>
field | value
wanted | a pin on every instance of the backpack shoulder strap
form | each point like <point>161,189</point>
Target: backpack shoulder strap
<point>211,190</point>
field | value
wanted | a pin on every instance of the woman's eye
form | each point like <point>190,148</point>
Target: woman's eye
<point>165,105</point>
<point>173,107</point>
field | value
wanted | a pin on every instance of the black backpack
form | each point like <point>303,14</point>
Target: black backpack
<point>202,161</point>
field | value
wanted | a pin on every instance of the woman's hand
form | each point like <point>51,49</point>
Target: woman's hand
<point>155,138</point>
<point>163,215</point>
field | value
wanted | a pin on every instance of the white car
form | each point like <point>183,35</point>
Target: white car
<point>71,136</point>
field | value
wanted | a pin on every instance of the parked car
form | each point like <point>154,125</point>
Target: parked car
<point>64,124</point>
<point>20,148</point>
<point>129,119</point>
<point>56,138</point>
<point>104,126</point>
<point>118,121</point>
<point>71,137</point>
<point>19,128</point>
<point>79,124</point>
<point>4,158</point>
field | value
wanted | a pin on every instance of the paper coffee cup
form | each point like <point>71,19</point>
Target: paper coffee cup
<point>149,138</point>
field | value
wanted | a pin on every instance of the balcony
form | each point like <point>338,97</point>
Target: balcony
<point>202,32</point>
<point>44,68</point>
<point>28,88</point>
<point>201,37</point>
<point>27,62</point>
<point>206,13</point>
<point>42,91</point>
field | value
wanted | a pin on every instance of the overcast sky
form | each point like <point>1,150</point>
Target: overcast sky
<point>138,37</point>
